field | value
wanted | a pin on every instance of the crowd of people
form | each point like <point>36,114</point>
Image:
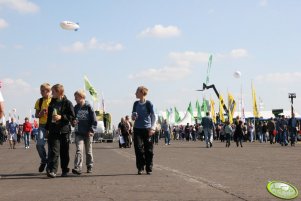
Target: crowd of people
<point>281,130</point>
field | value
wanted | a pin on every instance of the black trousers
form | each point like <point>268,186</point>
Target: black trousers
<point>143,149</point>
<point>58,147</point>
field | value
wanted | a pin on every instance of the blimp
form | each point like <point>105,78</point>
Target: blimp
<point>68,25</point>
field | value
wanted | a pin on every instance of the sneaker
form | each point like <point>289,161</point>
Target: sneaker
<point>140,172</point>
<point>210,144</point>
<point>75,171</point>
<point>149,172</point>
<point>89,169</point>
<point>42,167</point>
<point>51,174</point>
<point>64,174</point>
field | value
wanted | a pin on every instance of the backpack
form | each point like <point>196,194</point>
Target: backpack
<point>40,102</point>
<point>148,106</point>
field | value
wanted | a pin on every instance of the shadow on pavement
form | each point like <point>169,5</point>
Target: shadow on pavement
<point>43,176</point>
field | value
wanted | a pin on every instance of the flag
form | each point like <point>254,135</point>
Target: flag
<point>167,114</point>
<point>208,69</point>
<point>177,116</point>
<point>198,109</point>
<point>221,108</point>
<point>189,109</point>
<point>212,110</point>
<point>204,106</point>
<point>255,107</point>
<point>90,88</point>
<point>231,104</point>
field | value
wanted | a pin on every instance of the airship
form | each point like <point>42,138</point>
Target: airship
<point>68,25</point>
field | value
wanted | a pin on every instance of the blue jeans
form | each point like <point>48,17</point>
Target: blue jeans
<point>207,134</point>
<point>293,136</point>
<point>26,138</point>
<point>167,137</point>
<point>41,144</point>
<point>284,138</point>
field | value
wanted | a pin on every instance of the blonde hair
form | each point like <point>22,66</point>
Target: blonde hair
<point>45,86</point>
<point>81,93</point>
<point>143,90</point>
<point>59,89</point>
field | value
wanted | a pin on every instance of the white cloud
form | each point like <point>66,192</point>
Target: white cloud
<point>17,86</point>
<point>263,3</point>
<point>162,74</point>
<point>181,66</point>
<point>189,57</point>
<point>159,31</point>
<point>239,53</point>
<point>2,46</point>
<point>280,78</point>
<point>93,44</point>
<point>22,6</point>
<point>3,24</point>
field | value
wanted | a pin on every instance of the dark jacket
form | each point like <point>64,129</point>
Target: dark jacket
<point>65,109</point>
<point>86,118</point>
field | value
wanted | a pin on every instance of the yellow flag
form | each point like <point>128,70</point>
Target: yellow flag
<point>221,108</point>
<point>212,110</point>
<point>231,106</point>
<point>255,108</point>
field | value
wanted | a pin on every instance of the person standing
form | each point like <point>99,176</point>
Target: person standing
<point>27,128</point>
<point>123,129</point>
<point>12,133</point>
<point>271,129</point>
<point>41,107</point>
<point>85,126</point>
<point>208,128</point>
<point>165,128</point>
<point>238,133</point>
<point>144,127</point>
<point>60,114</point>
<point>228,133</point>
<point>293,125</point>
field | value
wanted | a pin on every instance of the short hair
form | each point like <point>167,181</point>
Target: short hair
<point>59,89</point>
<point>45,86</point>
<point>81,93</point>
<point>143,90</point>
<point>26,118</point>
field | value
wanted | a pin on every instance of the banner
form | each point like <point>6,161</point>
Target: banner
<point>255,107</point>
<point>221,108</point>
<point>212,110</point>
<point>90,88</point>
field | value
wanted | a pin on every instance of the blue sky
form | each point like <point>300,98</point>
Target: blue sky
<point>163,45</point>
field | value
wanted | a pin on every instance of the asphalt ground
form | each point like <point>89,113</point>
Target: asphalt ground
<point>182,171</point>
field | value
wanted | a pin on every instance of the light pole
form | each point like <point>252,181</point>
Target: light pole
<point>292,96</point>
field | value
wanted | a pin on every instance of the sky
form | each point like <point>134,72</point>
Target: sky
<point>163,45</point>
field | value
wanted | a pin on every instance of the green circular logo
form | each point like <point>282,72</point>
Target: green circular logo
<point>282,190</point>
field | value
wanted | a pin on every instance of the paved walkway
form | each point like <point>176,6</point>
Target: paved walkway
<point>182,171</point>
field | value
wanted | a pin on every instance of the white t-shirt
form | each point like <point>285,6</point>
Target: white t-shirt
<point>1,97</point>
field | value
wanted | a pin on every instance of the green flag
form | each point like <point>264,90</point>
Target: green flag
<point>208,69</point>
<point>204,105</point>
<point>198,108</point>
<point>167,114</point>
<point>177,116</point>
<point>189,109</point>
<point>90,88</point>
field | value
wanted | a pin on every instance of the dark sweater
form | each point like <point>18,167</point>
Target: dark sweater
<point>63,108</point>
<point>86,118</point>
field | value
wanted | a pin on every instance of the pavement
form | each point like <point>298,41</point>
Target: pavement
<point>182,171</point>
